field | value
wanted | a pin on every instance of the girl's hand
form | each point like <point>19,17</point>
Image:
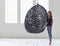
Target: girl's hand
<point>45,25</point>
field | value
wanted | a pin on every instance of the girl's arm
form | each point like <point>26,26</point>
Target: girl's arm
<point>45,25</point>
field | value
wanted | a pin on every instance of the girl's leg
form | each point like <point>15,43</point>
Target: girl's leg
<point>49,29</point>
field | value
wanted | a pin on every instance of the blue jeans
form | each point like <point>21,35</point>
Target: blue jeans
<point>49,29</point>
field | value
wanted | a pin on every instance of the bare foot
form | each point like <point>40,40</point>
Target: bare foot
<point>50,43</point>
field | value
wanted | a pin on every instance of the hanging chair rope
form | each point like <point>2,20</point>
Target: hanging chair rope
<point>36,1</point>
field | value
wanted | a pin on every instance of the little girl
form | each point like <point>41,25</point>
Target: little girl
<point>49,26</point>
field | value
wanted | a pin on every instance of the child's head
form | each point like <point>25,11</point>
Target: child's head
<point>49,14</point>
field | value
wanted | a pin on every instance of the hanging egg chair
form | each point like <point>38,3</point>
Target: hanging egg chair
<point>35,19</point>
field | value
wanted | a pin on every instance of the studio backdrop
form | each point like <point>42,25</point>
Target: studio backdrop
<point>13,14</point>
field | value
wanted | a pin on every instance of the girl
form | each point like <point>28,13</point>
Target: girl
<point>49,26</point>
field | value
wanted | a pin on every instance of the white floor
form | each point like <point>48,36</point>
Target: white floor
<point>28,42</point>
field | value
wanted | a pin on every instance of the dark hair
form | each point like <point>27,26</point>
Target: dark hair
<point>50,13</point>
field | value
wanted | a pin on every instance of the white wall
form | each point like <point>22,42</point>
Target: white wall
<point>18,30</point>
<point>54,6</point>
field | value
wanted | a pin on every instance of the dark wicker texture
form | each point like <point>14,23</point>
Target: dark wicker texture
<point>35,19</point>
